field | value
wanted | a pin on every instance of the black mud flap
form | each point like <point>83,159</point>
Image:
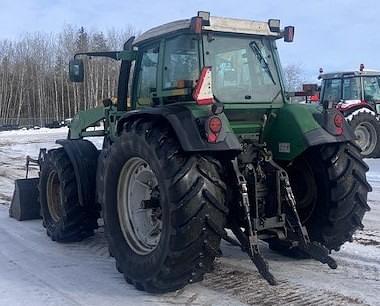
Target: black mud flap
<point>25,204</point>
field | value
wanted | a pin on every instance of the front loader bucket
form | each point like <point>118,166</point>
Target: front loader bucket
<point>25,204</point>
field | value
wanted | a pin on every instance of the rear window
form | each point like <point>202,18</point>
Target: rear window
<point>332,90</point>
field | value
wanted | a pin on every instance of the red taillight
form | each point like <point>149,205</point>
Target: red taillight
<point>212,138</point>
<point>215,125</point>
<point>338,121</point>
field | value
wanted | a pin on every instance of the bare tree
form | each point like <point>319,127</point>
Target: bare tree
<point>294,77</point>
<point>34,85</point>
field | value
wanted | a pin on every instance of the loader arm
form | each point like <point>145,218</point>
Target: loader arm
<point>85,119</point>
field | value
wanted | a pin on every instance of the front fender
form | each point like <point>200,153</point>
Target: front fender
<point>83,156</point>
<point>294,128</point>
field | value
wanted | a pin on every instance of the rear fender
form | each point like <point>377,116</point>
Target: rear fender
<point>83,156</point>
<point>355,111</point>
<point>294,128</point>
<point>187,129</point>
<point>348,108</point>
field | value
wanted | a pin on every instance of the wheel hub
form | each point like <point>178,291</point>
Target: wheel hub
<point>53,196</point>
<point>366,137</point>
<point>138,204</point>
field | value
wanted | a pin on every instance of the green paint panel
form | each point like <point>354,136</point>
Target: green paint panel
<point>84,119</point>
<point>286,127</point>
<point>242,128</point>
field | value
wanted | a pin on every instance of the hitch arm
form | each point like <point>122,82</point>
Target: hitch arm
<point>250,245</point>
<point>314,249</point>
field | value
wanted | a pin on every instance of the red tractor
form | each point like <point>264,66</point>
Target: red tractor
<point>357,95</point>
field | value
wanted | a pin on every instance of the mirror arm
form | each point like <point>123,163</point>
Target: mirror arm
<point>111,54</point>
<point>115,55</point>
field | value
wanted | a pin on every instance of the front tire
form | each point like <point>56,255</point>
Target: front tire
<point>64,218</point>
<point>182,194</point>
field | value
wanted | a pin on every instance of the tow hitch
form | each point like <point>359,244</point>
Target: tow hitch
<point>296,233</point>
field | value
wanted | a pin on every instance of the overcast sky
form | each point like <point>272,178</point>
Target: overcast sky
<point>335,34</point>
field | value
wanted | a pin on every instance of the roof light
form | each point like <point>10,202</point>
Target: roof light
<point>274,25</point>
<point>196,25</point>
<point>205,16</point>
<point>320,73</point>
<point>289,34</point>
<point>361,67</point>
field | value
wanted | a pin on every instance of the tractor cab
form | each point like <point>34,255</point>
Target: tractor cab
<point>357,95</point>
<point>348,90</point>
<point>241,55</point>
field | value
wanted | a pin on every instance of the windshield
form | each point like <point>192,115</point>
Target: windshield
<point>371,88</point>
<point>243,69</point>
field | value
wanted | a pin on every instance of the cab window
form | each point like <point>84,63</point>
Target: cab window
<point>332,90</point>
<point>351,89</point>
<point>147,79</point>
<point>181,62</point>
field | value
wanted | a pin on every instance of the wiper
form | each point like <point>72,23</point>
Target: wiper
<point>260,57</point>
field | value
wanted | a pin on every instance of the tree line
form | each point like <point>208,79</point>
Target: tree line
<point>34,84</point>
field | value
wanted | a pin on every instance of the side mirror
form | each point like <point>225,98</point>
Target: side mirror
<point>76,70</point>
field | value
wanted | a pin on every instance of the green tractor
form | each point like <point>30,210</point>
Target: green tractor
<point>202,143</point>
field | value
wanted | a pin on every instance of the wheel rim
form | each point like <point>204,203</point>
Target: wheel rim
<point>366,137</point>
<point>53,196</point>
<point>138,205</point>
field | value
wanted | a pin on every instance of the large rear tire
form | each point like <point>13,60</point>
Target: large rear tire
<point>330,186</point>
<point>367,132</point>
<point>164,210</point>
<point>64,218</point>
